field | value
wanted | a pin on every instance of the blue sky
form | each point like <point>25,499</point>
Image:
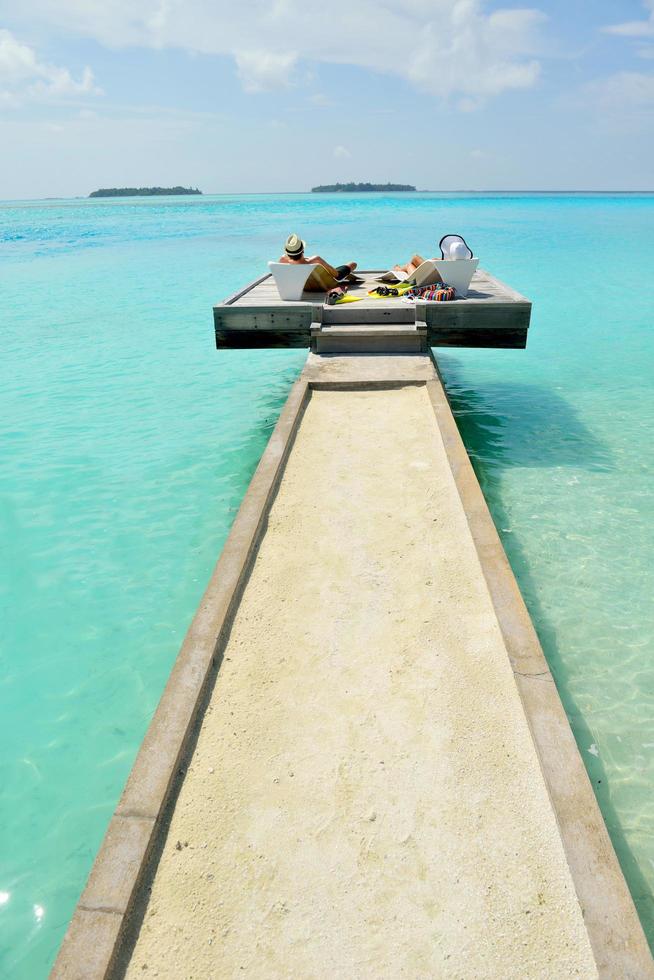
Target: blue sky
<point>280,95</point>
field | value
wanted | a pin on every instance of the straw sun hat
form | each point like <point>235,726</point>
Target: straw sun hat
<point>294,246</point>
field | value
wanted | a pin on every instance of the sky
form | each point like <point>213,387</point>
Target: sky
<point>280,95</point>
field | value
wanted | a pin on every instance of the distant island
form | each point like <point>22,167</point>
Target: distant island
<point>350,188</point>
<point>142,191</point>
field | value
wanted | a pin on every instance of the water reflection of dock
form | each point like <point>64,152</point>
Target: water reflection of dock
<point>360,766</point>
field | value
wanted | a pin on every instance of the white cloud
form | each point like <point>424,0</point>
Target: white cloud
<point>23,77</point>
<point>321,100</point>
<point>446,48</point>
<point>342,152</point>
<point>263,71</point>
<point>622,106</point>
<point>635,28</point>
<point>624,91</point>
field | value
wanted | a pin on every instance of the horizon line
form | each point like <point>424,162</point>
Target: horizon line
<point>506,190</point>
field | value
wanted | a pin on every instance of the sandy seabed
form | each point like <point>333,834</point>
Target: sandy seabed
<point>364,799</point>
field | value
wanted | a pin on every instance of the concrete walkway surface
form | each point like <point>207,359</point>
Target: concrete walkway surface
<point>360,766</point>
<point>364,798</point>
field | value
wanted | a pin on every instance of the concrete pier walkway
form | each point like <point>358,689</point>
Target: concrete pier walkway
<point>364,798</point>
<point>382,782</point>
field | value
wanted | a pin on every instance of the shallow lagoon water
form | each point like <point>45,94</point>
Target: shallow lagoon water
<point>128,442</point>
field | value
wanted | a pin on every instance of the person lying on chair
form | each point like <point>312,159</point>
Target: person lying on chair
<point>411,265</point>
<point>318,281</point>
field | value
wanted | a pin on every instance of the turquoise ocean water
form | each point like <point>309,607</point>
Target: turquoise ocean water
<point>127,442</point>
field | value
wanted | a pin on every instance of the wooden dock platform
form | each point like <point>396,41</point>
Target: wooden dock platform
<point>491,315</point>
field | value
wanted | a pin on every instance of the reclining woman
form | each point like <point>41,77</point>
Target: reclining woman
<point>414,262</point>
<point>451,247</point>
<point>318,281</point>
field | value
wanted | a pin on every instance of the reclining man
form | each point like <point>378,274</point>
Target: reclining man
<point>318,281</point>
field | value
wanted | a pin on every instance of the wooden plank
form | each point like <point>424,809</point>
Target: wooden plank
<point>499,336</point>
<point>506,290</point>
<point>497,316</point>
<point>265,318</point>
<point>455,337</point>
<point>250,339</point>
<point>246,289</point>
<point>368,343</point>
<point>373,312</point>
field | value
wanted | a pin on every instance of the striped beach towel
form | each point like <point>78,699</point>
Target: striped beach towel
<point>439,293</point>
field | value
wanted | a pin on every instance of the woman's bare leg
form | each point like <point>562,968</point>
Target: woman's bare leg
<point>411,266</point>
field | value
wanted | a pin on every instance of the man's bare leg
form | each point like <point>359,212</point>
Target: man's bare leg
<point>318,260</point>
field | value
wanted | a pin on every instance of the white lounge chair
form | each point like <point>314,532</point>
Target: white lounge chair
<point>457,273</point>
<point>291,278</point>
<point>425,275</point>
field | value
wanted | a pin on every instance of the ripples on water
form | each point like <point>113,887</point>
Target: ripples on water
<point>128,441</point>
